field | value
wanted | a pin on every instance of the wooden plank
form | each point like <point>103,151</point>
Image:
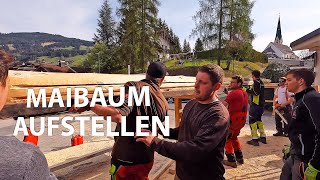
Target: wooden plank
<point>163,169</point>
<point>177,111</point>
<point>20,95</point>
<point>18,107</point>
<point>26,78</point>
<point>78,160</point>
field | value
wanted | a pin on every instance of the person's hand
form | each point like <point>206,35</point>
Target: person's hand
<point>145,139</point>
<point>225,90</point>
<point>79,109</point>
<point>282,105</point>
<point>286,152</point>
<point>311,172</point>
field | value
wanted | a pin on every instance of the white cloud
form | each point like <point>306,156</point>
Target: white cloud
<point>78,18</point>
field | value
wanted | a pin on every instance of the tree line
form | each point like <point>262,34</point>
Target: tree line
<point>26,46</point>
<point>222,26</point>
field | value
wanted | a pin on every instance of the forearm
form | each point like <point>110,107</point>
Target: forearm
<point>107,111</point>
<point>274,100</point>
<point>194,150</point>
<point>173,150</point>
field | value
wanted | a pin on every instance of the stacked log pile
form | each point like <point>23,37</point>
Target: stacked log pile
<point>21,81</point>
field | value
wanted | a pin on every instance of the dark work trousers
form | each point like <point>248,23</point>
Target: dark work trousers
<point>281,126</point>
<point>293,169</point>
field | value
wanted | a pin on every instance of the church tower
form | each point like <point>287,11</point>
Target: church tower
<point>278,39</point>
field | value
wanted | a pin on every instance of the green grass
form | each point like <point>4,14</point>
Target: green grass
<point>77,60</point>
<point>73,61</point>
<point>49,59</point>
<point>239,67</point>
<point>87,48</point>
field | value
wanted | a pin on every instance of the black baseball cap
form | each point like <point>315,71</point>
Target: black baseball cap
<point>157,70</point>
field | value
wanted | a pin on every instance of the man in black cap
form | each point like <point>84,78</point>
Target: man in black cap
<point>131,159</point>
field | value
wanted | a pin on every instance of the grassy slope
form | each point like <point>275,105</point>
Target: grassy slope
<point>74,61</point>
<point>239,67</point>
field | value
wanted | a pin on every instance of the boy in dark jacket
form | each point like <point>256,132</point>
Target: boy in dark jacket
<point>304,128</point>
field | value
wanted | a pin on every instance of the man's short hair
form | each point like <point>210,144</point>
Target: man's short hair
<point>215,72</point>
<point>305,74</point>
<point>256,73</point>
<point>238,78</point>
<point>157,70</point>
<point>5,60</point>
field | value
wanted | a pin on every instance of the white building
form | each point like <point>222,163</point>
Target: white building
<point>277,50</point>
<point>165,43</point>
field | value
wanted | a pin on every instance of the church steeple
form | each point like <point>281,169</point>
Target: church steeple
<point>278,38</point>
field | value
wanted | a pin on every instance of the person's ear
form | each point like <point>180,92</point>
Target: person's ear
<point>217,86</point>
<point>161,81</point>
<point>301,82</point>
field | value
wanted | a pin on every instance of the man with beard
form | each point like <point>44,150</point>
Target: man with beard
<point>237,103</point>
<point>202,133</point>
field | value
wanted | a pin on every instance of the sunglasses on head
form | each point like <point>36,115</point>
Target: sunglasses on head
<point>282,80</point>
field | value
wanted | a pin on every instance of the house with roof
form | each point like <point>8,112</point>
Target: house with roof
<point>311,41</point>
<point>277,50</point>
<point>165,43</point>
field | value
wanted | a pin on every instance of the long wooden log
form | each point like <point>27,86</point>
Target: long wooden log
<point>21,81</point>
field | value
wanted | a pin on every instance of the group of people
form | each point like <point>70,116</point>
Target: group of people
<point>208,129</point>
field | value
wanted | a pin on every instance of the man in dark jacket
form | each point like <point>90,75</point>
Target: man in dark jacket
<point>304,128</point>
<point>202,133</point>
<point>256,93</point>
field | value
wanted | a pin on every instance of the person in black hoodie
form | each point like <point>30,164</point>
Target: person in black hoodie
<point>304,128</point>
<point>202,133</point>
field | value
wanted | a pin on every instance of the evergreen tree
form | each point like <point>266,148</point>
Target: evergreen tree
<point>106,26</point>
<point>186,46</point>
<point>138,32</point>
<point>102,59</point>
<point>198,45</point>
<point>176,48</point>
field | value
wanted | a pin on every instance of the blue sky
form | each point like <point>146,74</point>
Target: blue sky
<point>78,18</point>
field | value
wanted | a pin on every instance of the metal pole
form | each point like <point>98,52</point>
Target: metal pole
<point>129,69</point>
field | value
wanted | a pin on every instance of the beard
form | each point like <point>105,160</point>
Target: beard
<point>203,97</point>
